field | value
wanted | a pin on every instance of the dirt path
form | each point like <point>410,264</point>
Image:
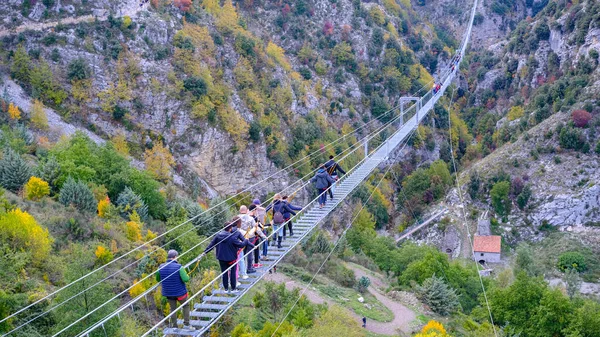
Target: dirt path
<point>402,315</point>
<point>130,8</point>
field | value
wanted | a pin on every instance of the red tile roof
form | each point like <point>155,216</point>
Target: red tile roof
<point>487,244</point>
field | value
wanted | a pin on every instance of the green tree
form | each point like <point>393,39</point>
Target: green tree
<point>514,306</point>
<point>552,315</point>
<point>80,260</point>
<point>45,86</point>
<point>21,65</point>
<point>500,198</point>
<point>130,202</point>
<point>77,194</point>
<point>586,320</point>
<point>14,171</point>
<point>438,295</point>
<point>525,260</point>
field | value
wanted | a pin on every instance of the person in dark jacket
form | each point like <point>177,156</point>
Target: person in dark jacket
<point>322,181</point>
<point>228,242</point>
<point>287,216</point>
<point>279,208</point>
<point>173,279</point>
<point>333,168</point>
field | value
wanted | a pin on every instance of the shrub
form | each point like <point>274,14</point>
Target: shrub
<point>21,232</point>
<point>581,118</point>
<point>432,329</point>
<point>196,86</point>
<point>103,255</point>
<point>500,199</point>
<point>13,112</point>
<point>571,138</point>
<point>342,54</point>
<point>14,172</point>
<point>104,207</point>
<point>36,188</point>
<point>78,195</point>
<point>78,70</point>
<point>305,72</point>
<point>133,230</point>
<point>439,296</point>
<point>524,196</point>
<point>38,115</point>
<point>572,260</point>
<point>363,283</point>
<point>130,202</point>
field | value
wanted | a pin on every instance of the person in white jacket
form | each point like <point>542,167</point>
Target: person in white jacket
<point>251,231</point>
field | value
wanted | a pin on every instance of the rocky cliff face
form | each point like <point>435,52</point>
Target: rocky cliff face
<point>334,60</point>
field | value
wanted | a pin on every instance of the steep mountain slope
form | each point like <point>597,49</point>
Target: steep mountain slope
<point>211,80</point>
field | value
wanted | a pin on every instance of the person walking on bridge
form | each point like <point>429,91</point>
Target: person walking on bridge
<point>333,168</point>
<point>279,207</point>
<point>173,278</point>
<point>322,181</point>
<point>250,231</point>
<point>227,242</point>
<point>287,216</point>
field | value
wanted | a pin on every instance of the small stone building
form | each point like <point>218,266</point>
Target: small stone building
<point>487,248</point>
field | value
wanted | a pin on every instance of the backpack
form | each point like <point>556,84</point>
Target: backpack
<point>277,217</point>
<point>331,169</point>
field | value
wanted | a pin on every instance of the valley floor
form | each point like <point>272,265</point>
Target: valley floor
<point>403,317</point>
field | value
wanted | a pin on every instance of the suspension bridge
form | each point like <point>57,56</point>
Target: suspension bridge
<point>210,303</point>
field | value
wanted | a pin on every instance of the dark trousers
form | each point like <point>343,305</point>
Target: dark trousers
<point>186,311</point>
<point>257,250</point>
<point>288,226</point>
<point>330,191</point>
<point>228,277</point>
<point>322,196</point>
<point>249,258</point>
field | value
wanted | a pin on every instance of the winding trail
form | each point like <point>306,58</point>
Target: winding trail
<point>130,8</point>
<point>403,316</point>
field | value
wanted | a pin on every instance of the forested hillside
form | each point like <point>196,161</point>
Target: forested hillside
<point>120,120</point>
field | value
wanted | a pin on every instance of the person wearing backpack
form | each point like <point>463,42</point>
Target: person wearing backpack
<point>250,230</point>
<point>322,181</point>
<point>287,216</point>
<point>333,168</point>
<point>258,239</point>
<point>261,215</point>
<point>227,242</point>
<point>279,207</point>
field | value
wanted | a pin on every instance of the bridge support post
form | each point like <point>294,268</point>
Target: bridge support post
<point>401,114</point>
<point>366,147</point>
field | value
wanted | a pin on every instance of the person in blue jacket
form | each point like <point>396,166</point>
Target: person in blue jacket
<point>173,278</point>
<point>322,181</point>
<point>228,242</point>
<point>279,208</point>
<point>287,215</point>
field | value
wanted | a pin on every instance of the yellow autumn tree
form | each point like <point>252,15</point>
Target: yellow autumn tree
<point>13,112</point>
<point>20,232</point>
<point>38,115</point>
<point>159,161</point>
<point>227,19</point>
<point>133,228</point>
<point>515,112</point>
<point>138,288</point>
<point>104,207</point>
<point>433,329</point>
<point>103,255</point>
<point>278,54</point>
<point>211,6</point>
<point>120,143</point>
<point>36,188</point>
